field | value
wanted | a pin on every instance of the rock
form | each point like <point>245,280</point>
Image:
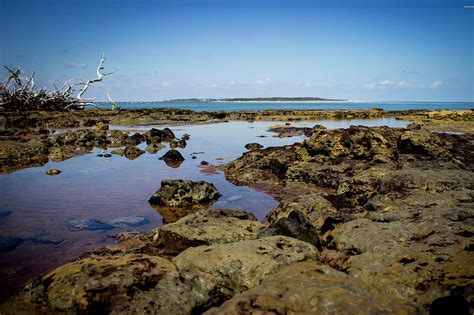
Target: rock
<point>253,146</point>
<point>130,221</point>
<point>120,151</point>
<point>178,144</point>
<point>296,225</point>
<point>87,225</point>
<point>206,227</point>
<point>100,126</point>
<point>128,284</point>
<point>132,152</point>
<point>117,138</point>
<point>288,131</point>
<point>317,209</point>
<point>125,236</point>
<point>172,158</point>
<point>154,147</point>
<point>135,139</point>
<point>107,155</point>
<point>423,143</point>
<point>218,272</point>
<point>157,135</point>
<point>8,243</point>
<point>5,213</point>
<point>194,157</point>
<point>186,137</point>
<point>204,163</point>
<point>312,288</point>
<point>182,193</point>
<point>52,172</point>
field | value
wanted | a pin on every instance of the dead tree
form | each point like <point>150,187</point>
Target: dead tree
<point>18,94</point>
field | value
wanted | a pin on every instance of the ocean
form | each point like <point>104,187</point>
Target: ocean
<point>236,106</point>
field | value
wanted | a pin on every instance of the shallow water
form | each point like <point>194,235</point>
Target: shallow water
<point>236,106</point>
<point>92,187</point>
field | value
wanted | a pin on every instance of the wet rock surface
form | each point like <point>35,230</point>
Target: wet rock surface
<point>312,288</point>
<point>392,207</point>
<point>253,146</point>
<point>183,193</point>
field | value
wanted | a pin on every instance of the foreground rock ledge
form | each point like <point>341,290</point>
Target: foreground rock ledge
<point>312,288</point>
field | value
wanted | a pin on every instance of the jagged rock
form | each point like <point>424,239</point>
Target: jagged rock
<point>157,135</point>
<point>317,209</point>
<point>423,143</point>
<point>128,284</point>
<point>206,227</point>
<point>253,146</point>
<point>53,171</point>
<point>312,288</point>
<point>183,193</point>
<point>218,272</point>
<point>132,152</point>
<point>178,143</point>
<point>296,225</point>
<point>135,139</point>
<point>88,225</point>
<point>154,147</point>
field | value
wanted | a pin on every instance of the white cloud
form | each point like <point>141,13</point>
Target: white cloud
<point>73,65</point>
<point>404,84</point>
<point>436,84</point>
<point>259,82</point>
<point>401,85</point>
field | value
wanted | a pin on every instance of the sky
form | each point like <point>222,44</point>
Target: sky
<point>405,50</point>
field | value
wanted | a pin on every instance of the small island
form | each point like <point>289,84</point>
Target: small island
<point>254,99</point>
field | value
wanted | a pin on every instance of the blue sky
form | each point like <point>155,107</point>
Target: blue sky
<point>358,50</point>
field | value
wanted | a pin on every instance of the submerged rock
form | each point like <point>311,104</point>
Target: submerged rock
<point>5,213</point>
<point>312,288</point>
<point>130,221</point>
<point>8,243</point>
<point>183,193</point>
<point>87,225</point>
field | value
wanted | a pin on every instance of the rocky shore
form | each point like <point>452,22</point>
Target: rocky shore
<point>370,220</point>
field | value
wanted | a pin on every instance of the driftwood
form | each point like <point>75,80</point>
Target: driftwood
<point>19,94</point>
